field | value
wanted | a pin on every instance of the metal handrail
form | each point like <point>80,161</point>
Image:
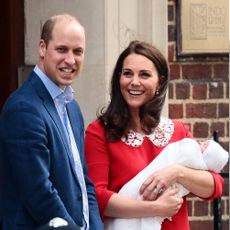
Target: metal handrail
<point>217,210</point>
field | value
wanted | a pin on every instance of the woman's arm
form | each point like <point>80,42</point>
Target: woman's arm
<point>205,184</point>
<point>199,182</point>
<point>123,207</point>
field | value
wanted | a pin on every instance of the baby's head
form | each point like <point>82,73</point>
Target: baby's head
<point>214,155</point>
<point>203,145</point>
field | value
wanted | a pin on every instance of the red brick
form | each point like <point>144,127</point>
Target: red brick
<point>196,71</point>
<point>227,90</point>
<point>200,130</point>
<point>171,33</point>
<point>199,91</point>
<point>228,205</point>
<point>182,90</point>
<point>189,207</point>
<point>221,71</point>
<point>201,225</point>
<point>170,13</point>
<point>227,128</point>
<point>216,90</point>
<point>175,111</point>
<point>226,188</point>
<point>225,145</point>
<point>218,126</point>
<point>225,225</point>
<point>170,91</point>
<point>205,110</point>
<point>223,204</point>
<point>171,50</point>
<point>200,208</point>
<point>174,71</point>
<point>223,110</point>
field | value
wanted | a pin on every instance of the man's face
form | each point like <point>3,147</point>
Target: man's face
<point>62,60</point>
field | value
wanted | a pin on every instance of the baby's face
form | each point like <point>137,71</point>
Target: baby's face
<point>203,145</point>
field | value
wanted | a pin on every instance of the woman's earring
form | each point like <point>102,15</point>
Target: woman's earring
<point>157,93</point>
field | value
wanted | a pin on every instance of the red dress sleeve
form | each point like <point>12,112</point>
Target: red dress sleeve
<point>219,183</point>
<point>97,160</point>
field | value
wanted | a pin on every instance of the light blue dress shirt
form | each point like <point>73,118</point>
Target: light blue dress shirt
<point>61,98</point>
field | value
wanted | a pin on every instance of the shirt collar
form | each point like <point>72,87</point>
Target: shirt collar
<point>53,89</point>
<point>160,136</point>
<point>68,94</point>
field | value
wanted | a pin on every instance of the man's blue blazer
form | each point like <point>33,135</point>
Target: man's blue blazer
<point>37,177</point>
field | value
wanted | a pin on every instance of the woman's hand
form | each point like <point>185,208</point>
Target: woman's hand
<point>158,182</point>
<point>198,182</point>
<point>168,204</point>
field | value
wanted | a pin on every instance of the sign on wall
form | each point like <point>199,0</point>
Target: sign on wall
<point>203,27</point>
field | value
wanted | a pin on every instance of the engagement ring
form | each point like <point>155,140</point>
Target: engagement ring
<point>160,190</point>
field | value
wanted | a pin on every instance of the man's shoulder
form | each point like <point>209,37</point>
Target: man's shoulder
<point>25,97</point>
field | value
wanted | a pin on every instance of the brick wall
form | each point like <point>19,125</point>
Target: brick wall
<point>199,96</point>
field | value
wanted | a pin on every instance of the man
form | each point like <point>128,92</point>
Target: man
<point>42,139</point>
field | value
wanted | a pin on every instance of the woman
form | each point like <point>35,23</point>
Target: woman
<point>131,133</point>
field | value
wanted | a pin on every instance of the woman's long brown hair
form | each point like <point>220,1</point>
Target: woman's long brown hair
<point>116,117</point>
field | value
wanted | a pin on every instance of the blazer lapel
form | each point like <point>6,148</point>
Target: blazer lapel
<point>51,109</point>
<point>75,123</point>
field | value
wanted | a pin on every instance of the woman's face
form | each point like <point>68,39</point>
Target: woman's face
<point>139,81</point>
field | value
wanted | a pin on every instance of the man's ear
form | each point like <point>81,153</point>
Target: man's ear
<point>42,48</point>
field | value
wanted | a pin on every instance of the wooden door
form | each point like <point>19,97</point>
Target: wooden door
<point>12,46</point>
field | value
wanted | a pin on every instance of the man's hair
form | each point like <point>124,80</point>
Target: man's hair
<point>48,26</point>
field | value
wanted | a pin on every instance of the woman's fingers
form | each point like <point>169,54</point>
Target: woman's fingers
<point>151,189</point>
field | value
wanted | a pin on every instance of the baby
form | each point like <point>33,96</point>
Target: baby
<point>209,155</point>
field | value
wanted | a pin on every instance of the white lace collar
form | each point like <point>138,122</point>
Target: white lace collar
<point>160,137</point>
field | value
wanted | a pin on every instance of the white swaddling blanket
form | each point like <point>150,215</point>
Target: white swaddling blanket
<point>186,152</point>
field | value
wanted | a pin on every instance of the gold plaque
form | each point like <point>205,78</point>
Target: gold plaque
<point>204,27</point>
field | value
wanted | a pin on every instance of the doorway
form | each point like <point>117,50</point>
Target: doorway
<point>12,45</point>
